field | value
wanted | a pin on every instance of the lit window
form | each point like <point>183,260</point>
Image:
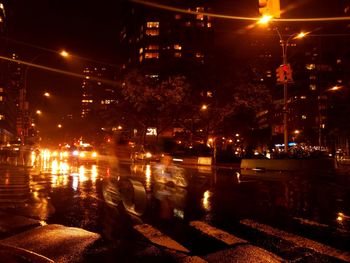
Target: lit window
<point>149,55</point>
<point>152,32</point>
<point>177,54</point>
<point>209,24</point>
<point>141,58</point>
<point>310,66</point>
<point>1,90</point>
<point>86,101</point>
<point>303,97</point>
<point>141,50</point>
<point>152,47</point>
<point>200,17</point>
<point>338,61</point>
<point>199,55</point>
<point>2,117</point>
<point>303,117</point>
<point>312,87</point>
<point>177,47</point>
<point>1,98</point>
<point>152,24</point>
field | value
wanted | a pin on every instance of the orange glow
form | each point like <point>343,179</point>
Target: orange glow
<point>265,20</point>
<point>64,53</point>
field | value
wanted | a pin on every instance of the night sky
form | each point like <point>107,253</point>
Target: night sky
<point>91,29</point>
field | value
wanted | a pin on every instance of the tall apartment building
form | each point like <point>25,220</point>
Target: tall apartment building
<point>163,43</point>
<point>97,94</point>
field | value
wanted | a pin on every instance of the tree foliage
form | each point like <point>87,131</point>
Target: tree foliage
<point>153,102</point>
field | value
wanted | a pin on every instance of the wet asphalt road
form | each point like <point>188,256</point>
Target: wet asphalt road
<point>283,214</point>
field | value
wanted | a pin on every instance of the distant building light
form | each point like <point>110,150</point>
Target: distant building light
<point>141,50</point>
<point>152,32</point>
<point>152,47</point>
<point>199,55</point>
<point>339,61</point>
<point>312,87</point>
<point>177,54</point>
<point>310,66</point>
<point>209,24</point>
<point>303,117</point>
<point>2,117</point>
<point>177,47</point>
<point>152,24</point>
<point>177,16</point>
<point>151,55</point>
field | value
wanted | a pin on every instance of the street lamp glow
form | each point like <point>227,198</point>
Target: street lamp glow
<point>38,112</point>
<point>301,35</point>
<point>335,88</point>
<point>264,20</point>
<point>204,107</point>
<point>64,53</point>
<point>46,94</point>
<point>59,125</point>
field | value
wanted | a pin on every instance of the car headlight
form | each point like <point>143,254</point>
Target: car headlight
<point>148,155</point>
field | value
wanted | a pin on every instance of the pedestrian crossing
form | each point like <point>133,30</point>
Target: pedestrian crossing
<point>234,245</point>
<point>14,187</point>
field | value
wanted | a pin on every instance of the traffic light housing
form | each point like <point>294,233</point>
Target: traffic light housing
<point>284,74</point>
<point>270,8</point>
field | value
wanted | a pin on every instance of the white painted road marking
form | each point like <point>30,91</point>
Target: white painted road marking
<point>157,237</point>
<point>298,240</point>
<point>217,233</point>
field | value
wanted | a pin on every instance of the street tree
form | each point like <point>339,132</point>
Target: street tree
<point>154,102</point>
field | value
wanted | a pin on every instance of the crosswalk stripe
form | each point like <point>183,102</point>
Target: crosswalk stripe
<point>298,240</point>
<point>157,237</point>
<point>193,259</point>
<point>217,233</point>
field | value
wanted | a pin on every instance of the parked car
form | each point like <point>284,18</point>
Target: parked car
<point>146,153</point>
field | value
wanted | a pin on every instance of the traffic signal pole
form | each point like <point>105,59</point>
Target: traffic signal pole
<point>285,104</point>
<point>284,45</point>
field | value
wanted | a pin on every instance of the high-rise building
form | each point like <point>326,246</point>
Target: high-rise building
<point>163,43</point>
<point>98,91</point>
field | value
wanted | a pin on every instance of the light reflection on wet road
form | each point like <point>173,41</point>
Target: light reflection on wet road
<point>110,198</point>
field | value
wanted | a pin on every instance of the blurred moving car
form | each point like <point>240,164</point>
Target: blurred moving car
<point>146,153</point>
<point>85,153</point>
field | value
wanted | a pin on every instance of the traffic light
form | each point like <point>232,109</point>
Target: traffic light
<point>270,8</point>
<point>263,7</point>
<point>284,74</point>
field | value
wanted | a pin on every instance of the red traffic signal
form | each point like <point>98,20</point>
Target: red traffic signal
<point>284,73</point>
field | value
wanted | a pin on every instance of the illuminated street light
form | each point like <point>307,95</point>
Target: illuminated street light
<point>59,126</point>
<point>204,107</point>
<point>46,94</point>
<point>301,35</point>
<point>264,20</point>
<point>64,53</point>
<point>38,112</point>
<point>335,88</point>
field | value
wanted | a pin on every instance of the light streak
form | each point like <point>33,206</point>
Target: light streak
<point>232,17</point>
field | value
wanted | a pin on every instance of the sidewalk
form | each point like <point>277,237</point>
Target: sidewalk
<point>27,240</point>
